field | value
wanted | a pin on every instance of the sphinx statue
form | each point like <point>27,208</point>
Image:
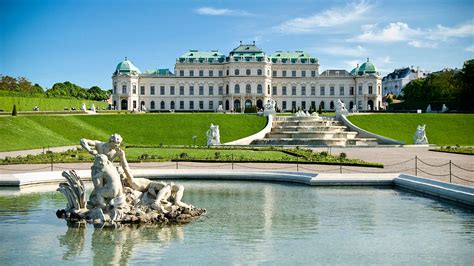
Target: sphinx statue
<point>118,196</point>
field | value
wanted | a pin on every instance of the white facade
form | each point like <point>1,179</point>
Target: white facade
<point>394,82</point>
<point>203,80</point>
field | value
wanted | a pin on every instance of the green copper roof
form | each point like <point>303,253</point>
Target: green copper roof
<point>292,56</point>
<point>367,68</point>
<point>247,50</point>
<point>355,70</point>
<point>202,56</point>
<point>159,72</point>
<point>126,67</point>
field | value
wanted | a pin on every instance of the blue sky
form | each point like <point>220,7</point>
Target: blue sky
<point>51,41</point>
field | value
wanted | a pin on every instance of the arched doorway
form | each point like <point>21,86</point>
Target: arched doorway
<point>236,105</point>
<point>351,105</point>
<point>152,105</point>
<point>227,104</point>
<point>370,105</point>
<point>124,105</point>
<point>172,105</point>
<point>259,104</point>
<point>162,105</point>
<point>248,104</point>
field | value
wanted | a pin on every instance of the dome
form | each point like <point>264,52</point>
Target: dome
<point>367,68</point>
<point>355,70</point>
<point>126,67</point>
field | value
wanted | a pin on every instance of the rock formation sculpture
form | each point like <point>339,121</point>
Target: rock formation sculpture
<point>118,196</point>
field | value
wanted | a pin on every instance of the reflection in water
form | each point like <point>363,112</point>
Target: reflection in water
<point>115,245</point>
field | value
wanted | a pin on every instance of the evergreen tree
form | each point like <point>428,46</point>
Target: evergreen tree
<point>14,113</point>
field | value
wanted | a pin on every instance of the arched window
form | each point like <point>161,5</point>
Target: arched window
<point>259,89</point>
<point>248,103</point>
<point>236,72</point>
<point>351,105</point>
<point>172,105</point>
<point>236,88</point>
<point>259,72</point>
<point>322,105</point>
<point>248,89</point>
<point>236,105</point>
<point>142,104</point>
<point>331,105</point>
<point>152,105</point>
<point>162,105</point>
<point>247,72</point>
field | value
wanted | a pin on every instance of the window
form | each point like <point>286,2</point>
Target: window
<point>124,88</point>
<point>274,90</point>
<point>134,89</point>
<point>181,105</point>
<point>303,105</point>
<point>293,90</point>
<point>211,105</point>
<point>221,90</point>
<point>221,73</point>
<point>313,90</point>
<point>172,105</point>
<point>227,89</point>
<point>359,105</point>
<point>211,73</point>
<point>211,90</point>
<point>220,103</point>
<point>370,89</point>
<point>248,89</point>
<point>115,88</point>
<point>201,105</point>
<point>351,90</point>
<point>313,73</point>
<point>134,104</point>
<point>293,73</point>
<point>259,89</point>
<point>259,72</point>
<point>360,90</point>
<point>293,105</point>
<point>142,90</point>
<point>378,89</point>
<point>191,73</point>
<point>283,90</point>
<point>162,105</point>
<point>341,90</point>
<point>322,91</point>
<point>201,73</point>
<point>331,105</point>
<point>236,72</point>
<point>247,72</point>
<point>191,90</point>
<point>303,90</point>
<point>313,105</point>
<point>274,73</point>
<point>283,73</point>
<point>191,105</point>
<point>152,105</point>
<point>152,90</point>
<point>201,90</point>
<point>236,88</point>
<point>181,73</point>
<point>227,72</point>
<point>322,105</point>
<point>331,90</point>
<point>181,90</point>
<point>268,89</point>
<point>171,90</point>
<point>283,105</point>
<point>162,90</point>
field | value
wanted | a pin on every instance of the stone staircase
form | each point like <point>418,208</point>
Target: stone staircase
<point>312,131</point>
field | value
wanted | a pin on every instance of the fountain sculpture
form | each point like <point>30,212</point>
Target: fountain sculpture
<point>118,197</point>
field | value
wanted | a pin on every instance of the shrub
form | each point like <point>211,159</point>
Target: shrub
<point>343,155</point>
<point>14,113</point>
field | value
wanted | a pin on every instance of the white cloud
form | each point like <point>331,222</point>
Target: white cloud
<point>394,32</point>
<point>422,44</point>
<point>211,11</point>
<point>356,51</point>
<point>328,18</point>
<point>470,48</point>
<point>460,31</point>
<point>350,64</point>
<point>384,60</point>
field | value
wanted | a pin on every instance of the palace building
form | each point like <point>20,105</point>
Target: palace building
<point>246,78</point>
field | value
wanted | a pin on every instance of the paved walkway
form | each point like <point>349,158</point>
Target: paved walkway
<point>35,151</point>
<point>395,160</point>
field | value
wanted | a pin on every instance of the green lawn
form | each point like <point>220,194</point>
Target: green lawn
<point>44,103</point>
<point>441,129</point>
<point>29,132</point>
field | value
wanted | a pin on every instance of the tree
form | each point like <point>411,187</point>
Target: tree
<point>466,78</point>
<point>320,108</point>
<point>14,113</point>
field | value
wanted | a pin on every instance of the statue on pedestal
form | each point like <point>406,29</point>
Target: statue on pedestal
<point>341,108</point>
<point>420,135</point>
<point>213,135</point>
<point>118,196</point>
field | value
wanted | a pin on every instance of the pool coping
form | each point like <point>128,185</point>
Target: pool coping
<point>453,192</point>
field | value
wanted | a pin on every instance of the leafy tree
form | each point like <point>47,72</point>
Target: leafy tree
<point>466,77</point>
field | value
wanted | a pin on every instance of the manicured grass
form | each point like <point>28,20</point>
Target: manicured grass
<point>29,132</point>
<point>45,104</point>
<point>457,150</point>
<point>441,129</point>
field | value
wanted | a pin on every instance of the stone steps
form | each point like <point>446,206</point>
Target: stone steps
<point>311,135</point>
<point>317,142</point>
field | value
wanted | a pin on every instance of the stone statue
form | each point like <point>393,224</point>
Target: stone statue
<point>354,109</point>
<point>269,108</point>
<point>341,108</point>
<point>213,135</point>
<point>93,108</point>
<point>428,108</point>
<point>420,135</point>
<point>220,109</point>
<point>84,107</point>
<point>118,196</point>
<point>444,109</point>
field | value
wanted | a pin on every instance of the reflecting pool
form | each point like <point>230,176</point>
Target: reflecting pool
<point>251,223</point>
